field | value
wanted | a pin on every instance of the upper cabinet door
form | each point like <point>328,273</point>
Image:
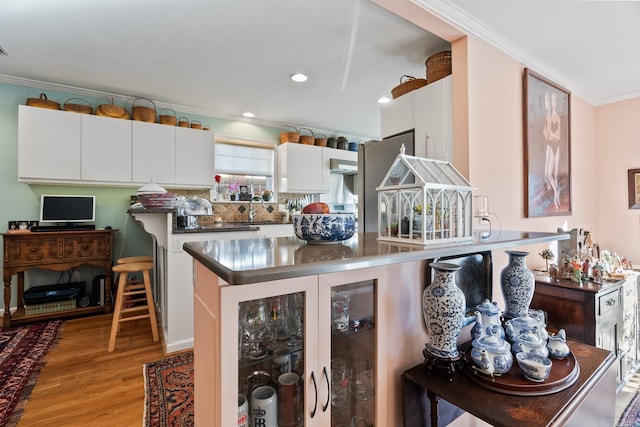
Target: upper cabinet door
<point>194,157</point>
<point>300,168</point>
<point>106,149</point>
<point>153,155</point>
<point>48,144</point>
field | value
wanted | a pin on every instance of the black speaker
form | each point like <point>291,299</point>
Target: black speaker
<point>97,290</point>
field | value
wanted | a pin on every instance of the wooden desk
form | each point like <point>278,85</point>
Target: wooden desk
<point>57,251</point>
<point>589,401</point>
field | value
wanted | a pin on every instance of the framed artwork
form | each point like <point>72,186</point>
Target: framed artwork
<point>547,147</point>
<point>633,179</point>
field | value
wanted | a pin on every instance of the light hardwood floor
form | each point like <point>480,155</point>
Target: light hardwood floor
<point>84,385</point>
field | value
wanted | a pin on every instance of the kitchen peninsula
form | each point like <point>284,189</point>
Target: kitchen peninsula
<point>229,273</point>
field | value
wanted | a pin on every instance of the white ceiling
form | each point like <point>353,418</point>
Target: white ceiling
<point>221,58</point>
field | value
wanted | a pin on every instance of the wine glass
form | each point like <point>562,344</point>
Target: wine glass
<point>277,311</point>
<point>254,318</point>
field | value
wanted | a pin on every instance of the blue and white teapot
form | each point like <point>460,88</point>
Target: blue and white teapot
<point>488,316</point>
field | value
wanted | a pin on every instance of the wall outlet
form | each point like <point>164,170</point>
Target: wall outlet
<point>177,245</point>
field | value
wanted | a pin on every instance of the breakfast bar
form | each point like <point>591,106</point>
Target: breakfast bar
<point>386,327</point>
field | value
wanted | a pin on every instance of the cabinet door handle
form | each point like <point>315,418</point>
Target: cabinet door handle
<point>326,377</point>
<point>315,387</point>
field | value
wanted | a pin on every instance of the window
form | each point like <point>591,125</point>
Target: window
<point>247,162</point>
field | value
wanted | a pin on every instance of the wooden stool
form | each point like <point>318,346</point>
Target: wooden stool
<point>133,292</point>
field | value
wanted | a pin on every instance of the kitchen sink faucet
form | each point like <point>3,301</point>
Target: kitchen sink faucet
<point>252,210</point>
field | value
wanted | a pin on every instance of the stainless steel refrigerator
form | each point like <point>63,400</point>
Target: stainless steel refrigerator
<point>374,160</point>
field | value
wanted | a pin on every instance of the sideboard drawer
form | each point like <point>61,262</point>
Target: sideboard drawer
<point>608,303</point>
<point>86,247</point>
<point>28,251</point>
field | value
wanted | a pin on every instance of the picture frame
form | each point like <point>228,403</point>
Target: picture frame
<point>633,182</point>
<point>12,225</point>
<point>547,147</point>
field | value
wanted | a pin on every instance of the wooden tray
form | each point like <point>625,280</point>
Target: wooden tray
<point>563,374</point>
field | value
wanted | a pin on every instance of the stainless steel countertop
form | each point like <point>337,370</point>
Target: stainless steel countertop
<point>244,261</point>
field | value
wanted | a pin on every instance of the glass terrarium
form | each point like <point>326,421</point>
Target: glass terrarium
<point>424,201</point>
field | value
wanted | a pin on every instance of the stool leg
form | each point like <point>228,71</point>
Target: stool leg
<point>115,323</point>
<point>151,304</point>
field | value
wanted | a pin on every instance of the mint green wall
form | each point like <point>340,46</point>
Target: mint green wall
<point>22,201</point>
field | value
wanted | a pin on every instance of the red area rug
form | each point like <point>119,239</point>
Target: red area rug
<point>23,352</point>
<point>168,392</point>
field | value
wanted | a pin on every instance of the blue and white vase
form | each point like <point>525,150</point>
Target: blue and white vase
<point>517,284</point>
<point>443,308</point>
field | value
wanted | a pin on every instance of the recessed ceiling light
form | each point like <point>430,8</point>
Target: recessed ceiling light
<point>383,100</point>
<point>248,114</point>
<point>299,77</point>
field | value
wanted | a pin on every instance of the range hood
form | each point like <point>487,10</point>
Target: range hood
<point>344,167</point>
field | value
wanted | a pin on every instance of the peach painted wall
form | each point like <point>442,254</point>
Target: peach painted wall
<point>618,149</point>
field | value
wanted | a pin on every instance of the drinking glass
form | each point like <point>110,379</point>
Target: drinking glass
<point>277,315</point>
<point>295,321</point>
<point>254,318</point>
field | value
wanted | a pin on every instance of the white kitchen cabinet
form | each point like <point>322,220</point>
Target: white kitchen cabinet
<point>48,144</point>
<point>300,168</point>
<point>153,153</point>
<point>326,340</point>
<point>106,149</point>
<point>428,111</point>
<point>194,156</point>
<point>57,146</point>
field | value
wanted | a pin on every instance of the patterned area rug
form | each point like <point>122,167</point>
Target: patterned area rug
<point>23,352</point>
<point>631,415</point>
<point>168,392</point>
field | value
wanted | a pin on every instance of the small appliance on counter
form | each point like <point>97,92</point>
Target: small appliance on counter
<point>189,209</point>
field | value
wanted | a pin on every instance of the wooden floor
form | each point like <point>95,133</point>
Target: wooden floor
<point>84,385</point>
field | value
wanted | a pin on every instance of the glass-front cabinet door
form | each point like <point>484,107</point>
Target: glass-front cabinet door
<point>349,347</point>
<point>273,326</point>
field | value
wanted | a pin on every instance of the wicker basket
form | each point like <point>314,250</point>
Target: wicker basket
<point>112,110</point>
<point>407,84</point>
<point>167,119</point>
<point>438,66</point>
<point>77,108</point>
<point>289,136</point>
<point>307,139</point>
<point>142,113</point>
<point>195,124</point>
<point>183,122</point>
<point>321,140</point>
<point>43,102</point>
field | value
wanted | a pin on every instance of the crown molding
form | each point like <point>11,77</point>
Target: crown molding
<point>471,26</point>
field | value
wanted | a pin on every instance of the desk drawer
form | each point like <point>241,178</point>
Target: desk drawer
<point>22,251</point>
<point>608,303</point>
<point>86,247</point>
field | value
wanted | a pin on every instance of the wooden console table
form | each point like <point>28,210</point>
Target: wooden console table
<point>430,399</point>
<point>57,251</point>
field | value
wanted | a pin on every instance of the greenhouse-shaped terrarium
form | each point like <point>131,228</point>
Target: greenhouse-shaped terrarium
<point>424,201</point>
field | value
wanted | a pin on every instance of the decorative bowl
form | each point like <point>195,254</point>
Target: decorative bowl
<point>534,366</point>
<point>324,228</point>
<point>157,200</point>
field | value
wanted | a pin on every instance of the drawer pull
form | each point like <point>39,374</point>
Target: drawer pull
<point>34,250</point>
<point>85,246</point>
<point>611,302</point>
